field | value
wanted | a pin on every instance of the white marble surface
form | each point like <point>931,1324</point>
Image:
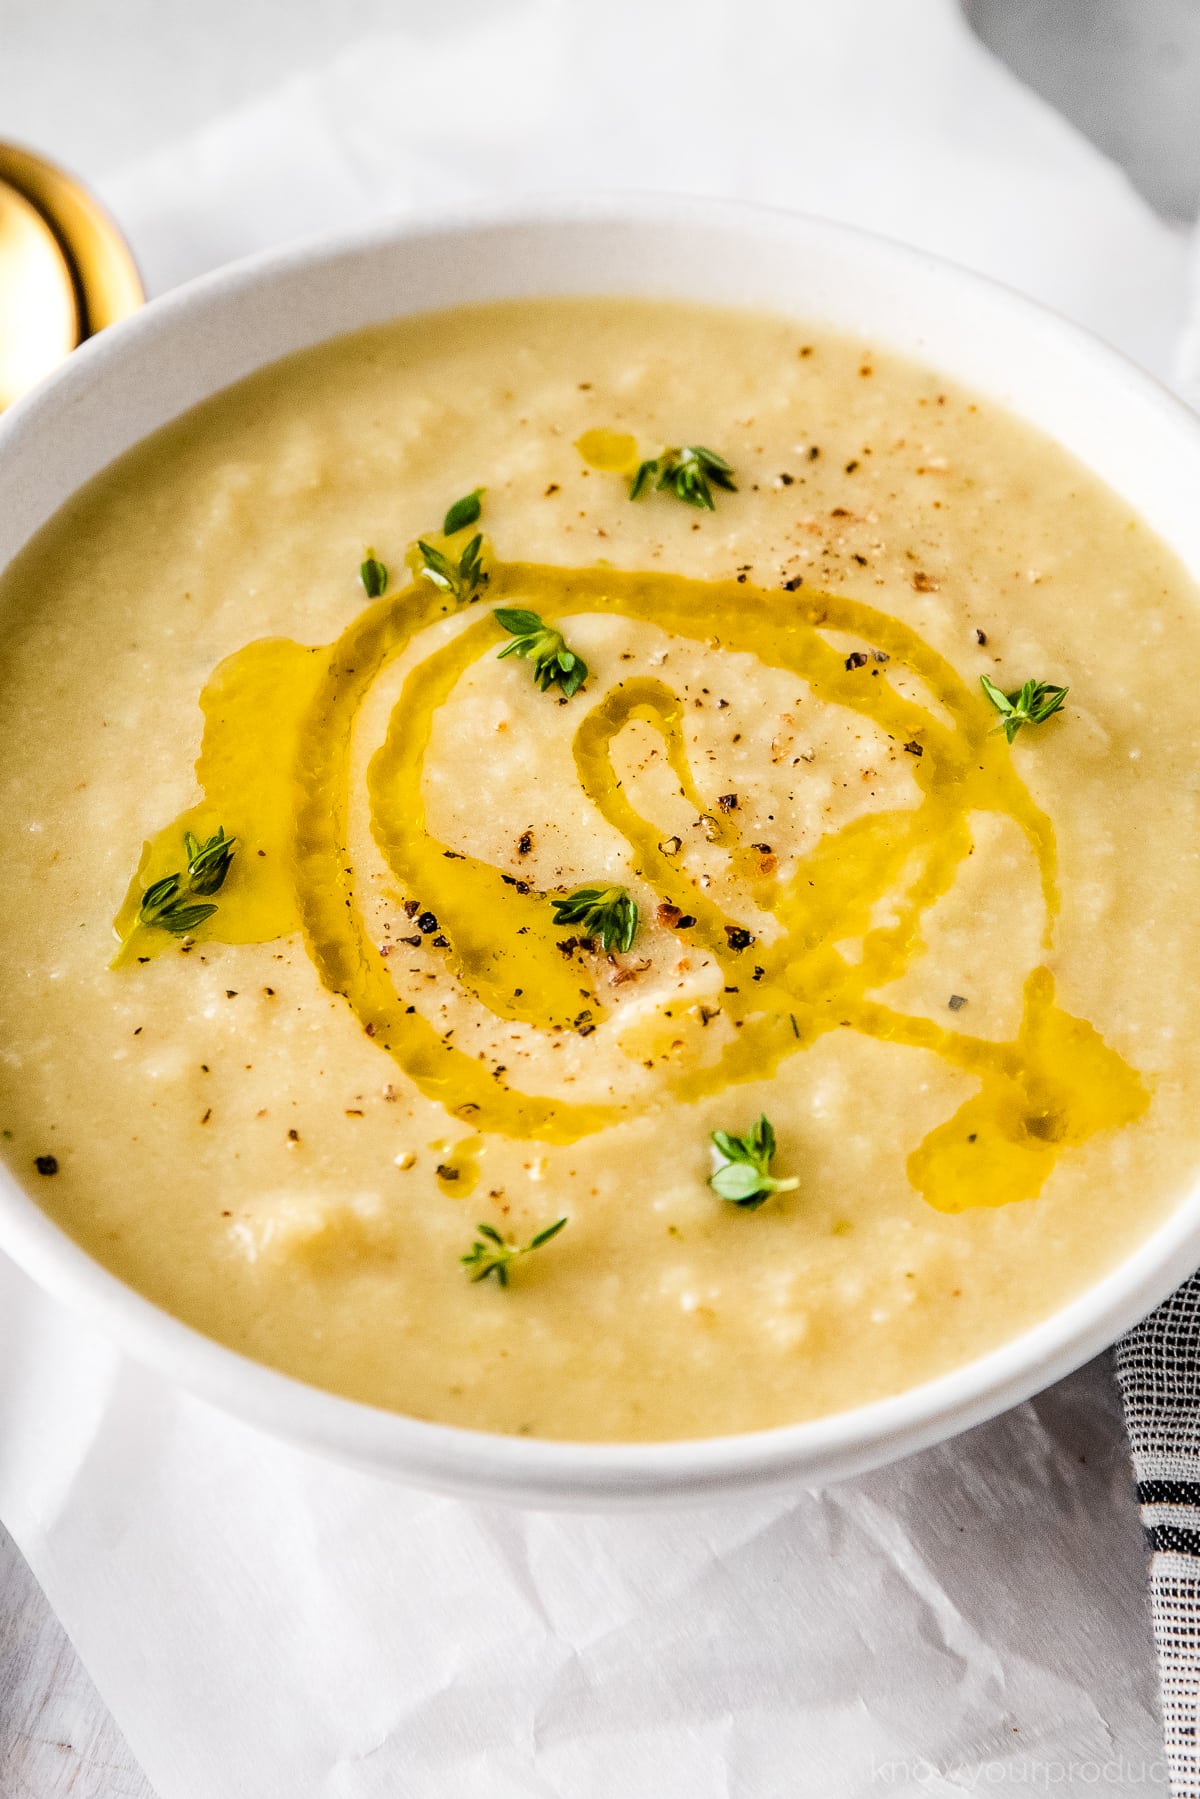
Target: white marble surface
<point>56,1737</point>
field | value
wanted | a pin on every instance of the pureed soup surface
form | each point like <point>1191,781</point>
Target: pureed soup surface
<point>955,973</point>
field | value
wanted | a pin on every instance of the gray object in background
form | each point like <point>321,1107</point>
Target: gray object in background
<point>1126,72</point>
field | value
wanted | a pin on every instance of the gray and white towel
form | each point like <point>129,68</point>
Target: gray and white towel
<point>1158,1367</point>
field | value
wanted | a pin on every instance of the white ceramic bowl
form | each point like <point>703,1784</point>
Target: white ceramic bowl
<point>142,373</point>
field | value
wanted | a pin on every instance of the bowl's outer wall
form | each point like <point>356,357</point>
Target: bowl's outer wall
<point>145,372</point>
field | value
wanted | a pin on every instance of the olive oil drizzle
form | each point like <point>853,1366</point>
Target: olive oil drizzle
<point>337,941</point>
<point>503,944</point>
<point>280,720</point>
<point>253,705</point>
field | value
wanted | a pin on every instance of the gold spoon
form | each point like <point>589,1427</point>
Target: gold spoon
<point>65,270</point>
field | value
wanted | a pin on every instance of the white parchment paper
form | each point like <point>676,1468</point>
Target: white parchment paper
<point>266,1626</point>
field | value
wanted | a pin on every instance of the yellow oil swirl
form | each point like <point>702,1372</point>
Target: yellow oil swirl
<point>457,1170</point>
<point>613,452</point>
<point>253,706</point>
<point>275,770</point>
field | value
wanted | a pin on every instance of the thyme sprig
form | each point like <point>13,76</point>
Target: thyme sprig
<point>169,904</point>
<point>462,579</point>
<point>741,1166</point>
<point>546,648</point>
<point>492,1253</point>
<point>609,913</point>
<point>464,512</point>
<point>1030,704</point>
<point>690,473</point>
<point>373,575</point>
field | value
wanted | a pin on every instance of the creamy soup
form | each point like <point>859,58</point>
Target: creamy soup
<point>393,906</point>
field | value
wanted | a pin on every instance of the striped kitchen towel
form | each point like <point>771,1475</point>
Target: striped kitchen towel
<point>1158,1366</point>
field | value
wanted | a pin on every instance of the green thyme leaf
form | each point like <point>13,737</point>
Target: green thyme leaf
<point>208,863</point>
<point>690,473</point>
<point>647,474</point>
<point>492,1254</point>
<point>159,896</point>
<point>741,1166</point>
<point>373,575</point>
<point>609,913</point>
<point>182,919</point>
<point>464,512</point>
<point>462,579</point>
<point>437,567</point>
<point>553,662</point>
<point>544,1236</point>
<point>167,903</point>
<point>1030,704</point>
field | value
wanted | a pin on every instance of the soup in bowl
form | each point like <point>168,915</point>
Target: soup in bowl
<point>597,823</point>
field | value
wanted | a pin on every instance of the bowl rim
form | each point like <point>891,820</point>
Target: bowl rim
<point>547,1471</point>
